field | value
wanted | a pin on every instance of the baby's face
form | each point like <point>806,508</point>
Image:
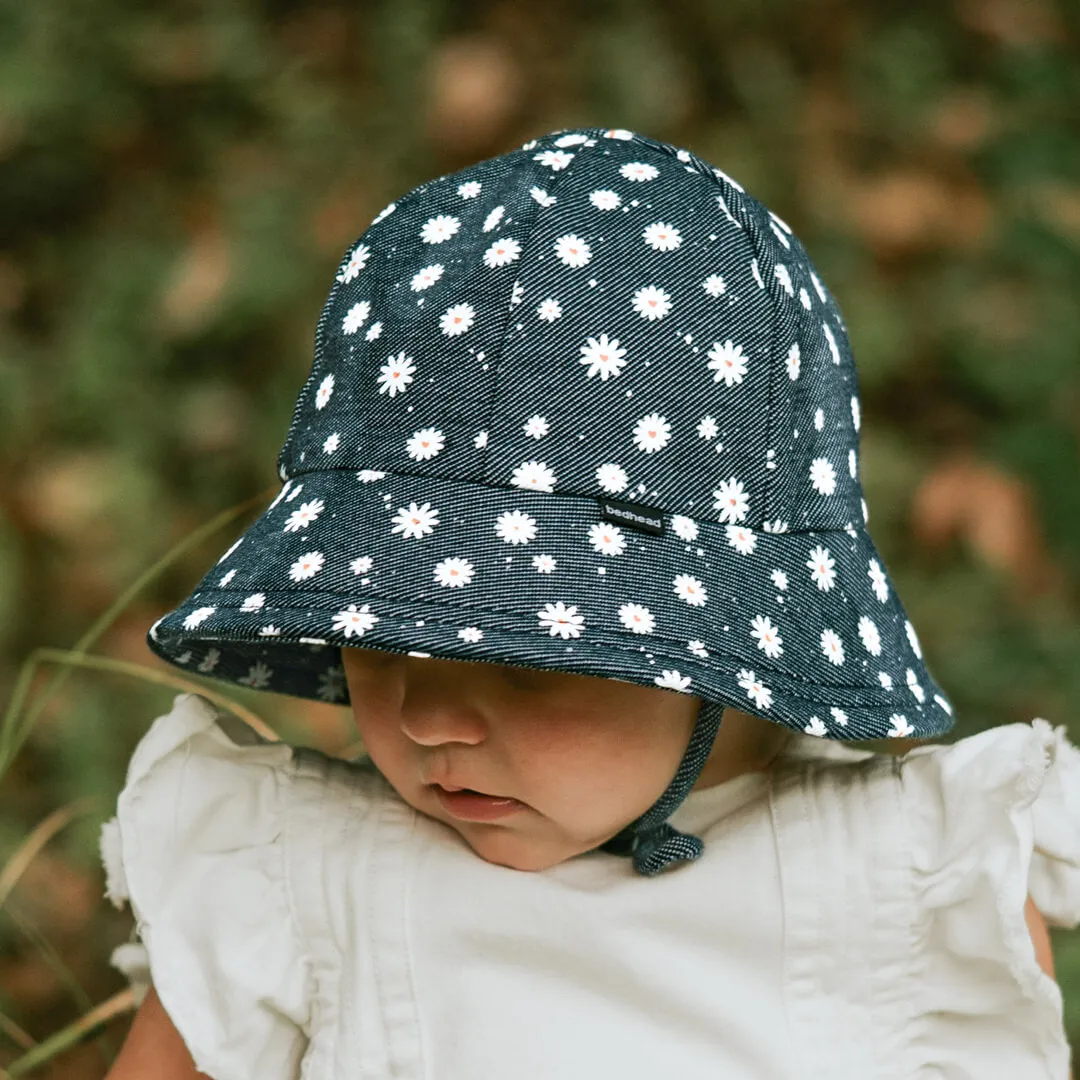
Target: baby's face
<point>586,756</point>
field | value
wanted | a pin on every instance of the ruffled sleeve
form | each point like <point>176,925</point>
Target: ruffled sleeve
<point>197,848</point>
<point>993,818</point>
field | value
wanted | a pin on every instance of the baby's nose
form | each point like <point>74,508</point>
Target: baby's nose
<point>433,723</point>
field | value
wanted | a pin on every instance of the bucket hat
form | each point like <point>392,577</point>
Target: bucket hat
<point>585,406</point>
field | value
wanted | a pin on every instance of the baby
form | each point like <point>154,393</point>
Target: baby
<point>571,519</point>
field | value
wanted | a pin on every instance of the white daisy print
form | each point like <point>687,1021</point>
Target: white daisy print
<point>575,138</point>
<point>605,200</point>
<point>480,440</point>
<point>226,579</point>
<point>210,661</point>
<point>782,275</point>
<point>361,564</point>
<point>900,727</point>
<point>777,525</point>
<point>728,362</point>
<point>755,689</point>
<point>793,362</point>
<point>549,310</point>
<point>471,633</point>
<point>816,727</point>
<point>258,676</point>
<point>852,464</point>
<point>878,582</point>
<point>322,395</point>
<point>502,252</point>
<point>332,684</point>
<point>685,527</point>
<point>637,617</point>
<point>356,317</point>
<point>269,631</point>
<point>558,619</point>
<point>469,190</point>
<point>638,171</point>
<point>672,680</point>
<point>707,428</point>
<point>832,343</point>
<point>555,160</point>
<point>819,419</point>
<point>493,218</point>
<point>856,415</point>
<point>612,477</point>
<point>871,639</point>
<point>357,261</point>
<point>779,579</point>
<point>937,697</point>
<point>454,573</point>
<point>333,441</point>
<point>515,527</point>
<point>698,648</point>
<point>607,539</point>
<point>355,620</point>
<point>603,356</point>
<point>756,271</point>
<point>542,197</point>
<point>424,444</point>
<point>517,293</point>
<point>368,476</point>
<point>912,639</point>
<point>543,564</point>
<point>572,250</point>
<point>424,279</point>
<point>820,564</point>
<point>373,331</point>
<point>832,646</point>
<point>199,615</point>
<point>741,539</point>
<point>457,319</point>
<point>731,502</point>
<point>651,302</point>
<point>304,515</point>
<point>533,475</point>
<point>690,589</point>
<point>307,566</point>
<point>885,679</point>
<point>439,228</point>
<point>254,602</point>
<point>767,636</point>
<point>415,521</point>
<point>839,715</point>
<point>536,427</point>
<point>914,687</point>
<point>817,285</point>
<point>652,433</point>
<point>662,237</point>
<point>822,476</point>
<point>396,374</point>
<point>714,285</point>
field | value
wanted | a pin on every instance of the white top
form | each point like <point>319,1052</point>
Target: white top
<point>854,916</point>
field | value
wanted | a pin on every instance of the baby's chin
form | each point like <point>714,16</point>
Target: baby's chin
<point>502,847</point>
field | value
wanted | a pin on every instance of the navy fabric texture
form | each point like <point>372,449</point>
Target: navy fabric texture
<point>585,406</point>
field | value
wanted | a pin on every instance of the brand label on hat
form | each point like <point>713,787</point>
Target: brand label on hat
<point>633,516</point>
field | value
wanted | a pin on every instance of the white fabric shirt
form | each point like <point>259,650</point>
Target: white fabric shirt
<point>854,916</point>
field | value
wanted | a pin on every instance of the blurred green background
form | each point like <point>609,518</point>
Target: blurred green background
<point>179,180</point>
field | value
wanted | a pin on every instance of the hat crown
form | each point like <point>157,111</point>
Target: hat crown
<point>596,314</point>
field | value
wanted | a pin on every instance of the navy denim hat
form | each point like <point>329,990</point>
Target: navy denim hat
<point>585,406</point>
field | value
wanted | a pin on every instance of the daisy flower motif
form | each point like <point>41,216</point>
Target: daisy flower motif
<point>322,395</point>
<point>804,299</point>
<point>415,521</point>
<point>471,633</point>
<point>756,271</point>
<point>604,357</point>
<point>480,440</point>
<point>832,646</point>
<point>793,362</point>
<point>672,680</point>
<point>269,631</point>
<point>852,464</point>
<point>871,639</point>
<point>549,310</point>
<point>304,515</point>
<point>307,566</point>
<point>832,343</point>
<point>652,433</point>
<point>728,362</point>
<point>819,419</point>
<point>533,476</point>
<point>820,564</point>
<point>424,444</point>
<point>542,197</point>
<point>493,218</point>
<point>779,579</point>
<point>839,715</point>
<point>603,199</point>
<point>685,527</point>
<point>714,285</point>
<point>355,620</point>
<point>755,689</point>
<point>690,589</point>
<point>560,620</point>
<point>332,684</point>
<point>878,582</point>
<point>913,640</point>
<point>515,527</point>
<point>637,618</point>
<point>856,414</point>
<point>618,133</point>
<point>288,498</point>
<point>822,476</point>
<point>885,679</point>
<point>226,579</point>
<point>361,564</point>
<point>502,252</point>
<point>937,697</point>
<point>258,676</point>
<point>396,374</point>
<point>517,294</point>
<point>914,687</point>
<point>900,727</point>
<point>555,160</point>
<point>210,661</point>
<point>767,636</point>
<point>662,237</point>
<point>368,476</point>
<point>731,502</point>
<point>638,171</point>
<point>574,138</point>
<point>424,279</point>
<point>454,573</point>
<point>651,302</point>
<point>741,539</point>
<point>698,649</point>
<point>536,427</point>
<point>777,525</point>
<point>457,319</point>
<point>782,275</point>
<point>816,727</point>
<point>333,441</point>
<point>356,317</point>
<point>611,477</point>
<point>439,228</point>
<point>543,564</point>
<point>469,190</point>
<point>373,331</point>
<point>254,602</point>
<point>199,615</point>
<point>385,212</point>
<point>607,539</point>
<point>571,250</point>
<point>357,261</point>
